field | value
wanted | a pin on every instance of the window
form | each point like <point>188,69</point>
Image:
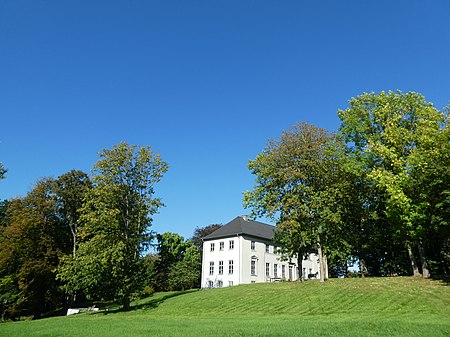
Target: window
<point>230,283</point>
<point>212,247</point>
<point>267,248</point>
<point>221,245</point>
<point>310,270</point>
<point>219,283</point>
<point>253,282</point>
<point>210,284</point>
<point>220,267</point>
<point>253,267</point>
<point>304,272</point>
<point>283,271</point>
<point>211,268</point>
<point>231,244</point>
<point>267,269</point>
<point>230,267</point>
<point>252,245</point>
<point>275,270</point>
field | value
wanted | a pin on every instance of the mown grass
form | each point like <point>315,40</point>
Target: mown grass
<point>350,307</point>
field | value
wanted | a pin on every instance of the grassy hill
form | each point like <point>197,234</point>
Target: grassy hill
<point>341,307</point>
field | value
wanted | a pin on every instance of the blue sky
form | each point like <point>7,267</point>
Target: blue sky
<point>205,83</point>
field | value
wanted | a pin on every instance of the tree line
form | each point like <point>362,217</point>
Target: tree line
<point>376,192</point>
<point>81,238</point>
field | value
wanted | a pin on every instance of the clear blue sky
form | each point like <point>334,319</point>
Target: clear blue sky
<point>205,83</point>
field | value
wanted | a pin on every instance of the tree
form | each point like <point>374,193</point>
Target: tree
<point>115,221</point>
<point>402,144</point>
<point>186,274</point>
<point>70,191</point>
<point>171,249</point>
<point>300,184</point>
<point>200,233</point>
<point>32,242</point>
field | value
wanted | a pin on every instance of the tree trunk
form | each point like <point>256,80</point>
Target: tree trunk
<point>423,260</point>
<point>414,265</point>
<point>73,230</point>
<point>362,267</point>
<point>126,303</point>
<point>321,262</point>
<point>325,261</point>
<point>300,266</point>
<point>72,299</point>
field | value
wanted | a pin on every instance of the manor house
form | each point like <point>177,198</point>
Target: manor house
<point>242,252</point>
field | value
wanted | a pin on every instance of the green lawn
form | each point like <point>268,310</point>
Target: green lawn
<point>346,307</point>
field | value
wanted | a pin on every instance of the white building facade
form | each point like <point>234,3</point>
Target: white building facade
<point>242,252</point>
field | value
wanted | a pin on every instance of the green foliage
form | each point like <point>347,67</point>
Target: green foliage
<point>147,291</point>
<point>186,274</point>
<point>171,250</point>
<point>70,191</point>
<point>386,190</point>
<point>32,242</point>
<point>401,143</point>
<point>178,266</point>
<point>115,221</point>
<point>300,183</point>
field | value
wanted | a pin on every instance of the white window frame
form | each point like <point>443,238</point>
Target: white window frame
<point>220,267</point>
<point>231,244</point>
<point>253,267</point>
<point>230,267</point>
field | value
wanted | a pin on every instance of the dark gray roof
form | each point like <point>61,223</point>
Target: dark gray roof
<point>242,226</point>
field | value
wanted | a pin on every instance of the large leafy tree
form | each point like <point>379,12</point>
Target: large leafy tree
<point>401,142</point>
<point>70,190</point>
<point>115,223</point>
<point>32,242</point>
<point>171,249</point>
<point>300,184</point>
<point>186,273</point>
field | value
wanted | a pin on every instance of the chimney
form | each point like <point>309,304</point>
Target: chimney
<point>245,217</point>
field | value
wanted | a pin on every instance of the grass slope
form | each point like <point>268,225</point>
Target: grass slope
<point>349,307</point>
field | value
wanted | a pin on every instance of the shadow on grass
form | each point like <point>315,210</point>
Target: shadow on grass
<point>444,278</point>
<point>154,303</point>
<point>151,302</point>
